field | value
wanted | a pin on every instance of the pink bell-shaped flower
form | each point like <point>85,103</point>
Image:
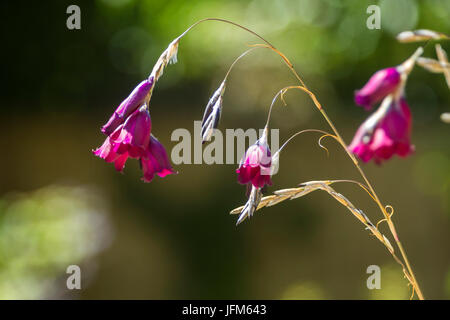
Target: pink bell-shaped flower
<point>155,161</point>
<point>255,166</point>
<point>385,133</point>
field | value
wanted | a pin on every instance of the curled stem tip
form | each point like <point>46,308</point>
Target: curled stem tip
<point>324,134</point>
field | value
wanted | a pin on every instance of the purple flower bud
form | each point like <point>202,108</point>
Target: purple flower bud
<point>382,83</point>
<point>128,106</point>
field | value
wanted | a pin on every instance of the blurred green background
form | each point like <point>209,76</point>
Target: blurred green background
<point>173,238</point>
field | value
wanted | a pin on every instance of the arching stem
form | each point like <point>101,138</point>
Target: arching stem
<point>236,60</point>
<point>409,274</point>
<point>363,175</point>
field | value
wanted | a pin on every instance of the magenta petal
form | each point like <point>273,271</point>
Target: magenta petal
<point>404,149</point>
<point>260,180</point>
<point>128,106</point>
<point>362,151</point>
<point>106,151</point>
<point>134,136</point>
<point>245,174</point>
<point>119,163</point>
<point>147,169</point>
<point>363,100</point>
<point>112,124</point>
<point>140,136</point>
<point>382,137</point>
<point>381,84</point>
<point>155,161</point>
<point>159,153</point>
<point>164,172</point>
<point>255,167</point>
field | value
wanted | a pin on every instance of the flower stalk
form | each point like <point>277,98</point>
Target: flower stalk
<point>407,269</point>
<point>129,135</point>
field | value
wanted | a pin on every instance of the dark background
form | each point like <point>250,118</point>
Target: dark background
<point>173,238</point>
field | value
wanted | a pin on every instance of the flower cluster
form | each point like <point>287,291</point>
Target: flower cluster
<point>129,136</point>
<point>388,130</point>
<point>385,133</point>
<point>128,130</point>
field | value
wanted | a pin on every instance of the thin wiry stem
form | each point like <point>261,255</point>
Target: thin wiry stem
<point>267,43</point>
<point>279,93</point>
<point>391,225</point>
<point>409,273</point>
<point>225,21</point>
<point>303,131</point>
<point>271,106</point>
<point>236,60</point>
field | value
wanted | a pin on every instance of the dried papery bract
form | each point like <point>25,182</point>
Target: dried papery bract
<point>284,194</point>
<point>433,65</point>
<point>213,110</point>
<point>211,116</point>
<point>169,56</point>
<point>441,65</point>
<point>420,35</point>
<point>408,65</point>
<point>308,187</point>
<point>443,59</point>
<point>249,208</point>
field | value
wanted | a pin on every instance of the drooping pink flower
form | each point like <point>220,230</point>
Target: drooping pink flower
<point>130,139</point>
<point>134,135</point>
<point>129,105</point>
<point>385,133</point>
<point>382,83</point>
<point>155,161</point>
<point>255,166</point>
